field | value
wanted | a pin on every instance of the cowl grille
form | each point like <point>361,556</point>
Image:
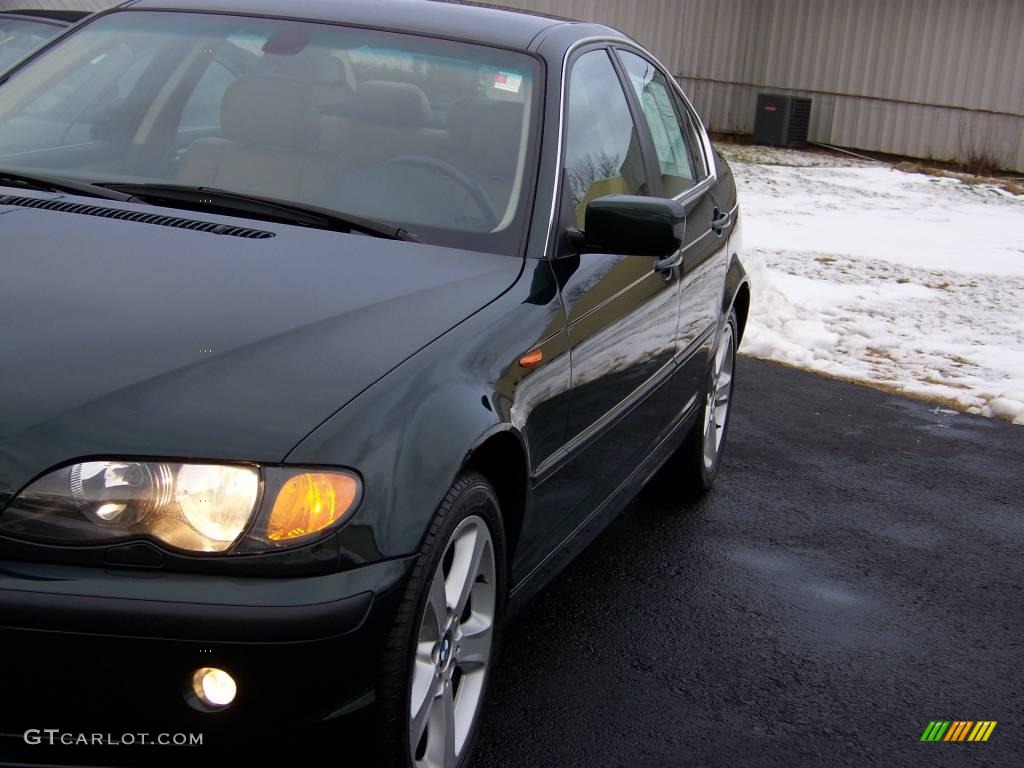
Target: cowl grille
<point>137,216</point>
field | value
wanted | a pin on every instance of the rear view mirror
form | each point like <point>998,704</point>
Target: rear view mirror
<point>634,226</point>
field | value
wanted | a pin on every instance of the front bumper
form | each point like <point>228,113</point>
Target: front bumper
<point>86,649</point>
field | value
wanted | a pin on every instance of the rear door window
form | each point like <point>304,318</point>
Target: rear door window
<point>668,127</point>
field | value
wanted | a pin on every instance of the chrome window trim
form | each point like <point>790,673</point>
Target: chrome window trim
<point>706,149</point>
<point>688,195</point>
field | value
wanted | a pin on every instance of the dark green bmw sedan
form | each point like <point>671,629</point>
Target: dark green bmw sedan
<point>329,333</point>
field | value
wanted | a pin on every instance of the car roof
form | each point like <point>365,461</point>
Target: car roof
<point>489,26</point>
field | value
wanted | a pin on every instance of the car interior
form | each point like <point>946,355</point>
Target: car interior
<point>308,125</point>
<point>405,136</point>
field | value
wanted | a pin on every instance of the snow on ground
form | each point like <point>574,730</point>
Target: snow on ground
<point>904,281</point>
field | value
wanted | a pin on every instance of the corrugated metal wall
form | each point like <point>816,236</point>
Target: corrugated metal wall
<point>926,78</point>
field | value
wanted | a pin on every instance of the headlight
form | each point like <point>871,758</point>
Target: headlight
<point>191,507</point>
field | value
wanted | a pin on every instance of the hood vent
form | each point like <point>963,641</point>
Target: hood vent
<point>136,216</point>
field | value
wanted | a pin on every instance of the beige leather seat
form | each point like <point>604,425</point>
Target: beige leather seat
<point>330,73</point>
<point>271,128</point>
<point>484,141</point>
<point>386,120</point>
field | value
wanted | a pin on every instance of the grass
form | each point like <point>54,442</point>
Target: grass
<point>959,172</point>
<point>978,168</point>
<point>981,164</point>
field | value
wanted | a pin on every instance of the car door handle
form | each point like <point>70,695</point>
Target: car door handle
<point>720,221</point>
<point>669,263</point>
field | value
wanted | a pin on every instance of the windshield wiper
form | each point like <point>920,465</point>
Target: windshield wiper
<point>46,183</point>
<point>285,211</point>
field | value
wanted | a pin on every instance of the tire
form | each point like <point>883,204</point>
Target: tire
<point>691,471</point>
<point>444,661</point>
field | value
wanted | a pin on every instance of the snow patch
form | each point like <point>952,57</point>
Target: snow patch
<point>901,280</point>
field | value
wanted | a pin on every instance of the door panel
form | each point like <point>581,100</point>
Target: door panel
<point>699,299</point>
<point>705,264</point>
<point>706,259</point>
<point>622,315</point>
<point>701,292</point>
<point>622,330</point>
<point>683,175</point>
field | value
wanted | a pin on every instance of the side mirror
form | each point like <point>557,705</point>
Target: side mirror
<point>634,226</point>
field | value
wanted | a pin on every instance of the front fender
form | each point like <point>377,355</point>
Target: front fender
<point>410,434</point>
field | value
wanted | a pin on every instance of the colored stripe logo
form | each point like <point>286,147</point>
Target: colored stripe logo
<point>959,730</point>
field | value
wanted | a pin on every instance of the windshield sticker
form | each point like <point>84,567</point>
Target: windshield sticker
<point>508,81</point>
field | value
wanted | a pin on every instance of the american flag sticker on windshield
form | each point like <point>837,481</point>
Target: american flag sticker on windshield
<point>508,81</point>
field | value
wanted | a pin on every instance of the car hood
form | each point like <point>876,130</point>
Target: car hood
<point>125,338</point>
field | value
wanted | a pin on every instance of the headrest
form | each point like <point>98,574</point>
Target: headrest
<point>461,117</point>
<point>313,65</point>
<point>467,116</point>
<point>479,125</point>
<point>271,112</point>
<point>396,103</point>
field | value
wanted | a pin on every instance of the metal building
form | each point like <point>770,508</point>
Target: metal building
<point>940,79</point>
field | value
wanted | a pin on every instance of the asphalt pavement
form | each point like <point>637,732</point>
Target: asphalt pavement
<point>855,574</point>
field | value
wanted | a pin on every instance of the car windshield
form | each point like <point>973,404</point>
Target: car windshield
<point>427,134</point>
<point>19,37</point>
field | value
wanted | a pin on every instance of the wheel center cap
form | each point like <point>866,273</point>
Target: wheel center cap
<point>445,652</point>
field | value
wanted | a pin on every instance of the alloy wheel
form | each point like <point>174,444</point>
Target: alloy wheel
<point>453,648</point>
<point>716,408</point>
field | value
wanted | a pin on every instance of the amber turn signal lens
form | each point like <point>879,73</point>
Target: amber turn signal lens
<point>531,359</point>
<point>310,502</point>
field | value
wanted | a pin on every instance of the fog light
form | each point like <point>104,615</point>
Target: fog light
<point>214,688</point>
